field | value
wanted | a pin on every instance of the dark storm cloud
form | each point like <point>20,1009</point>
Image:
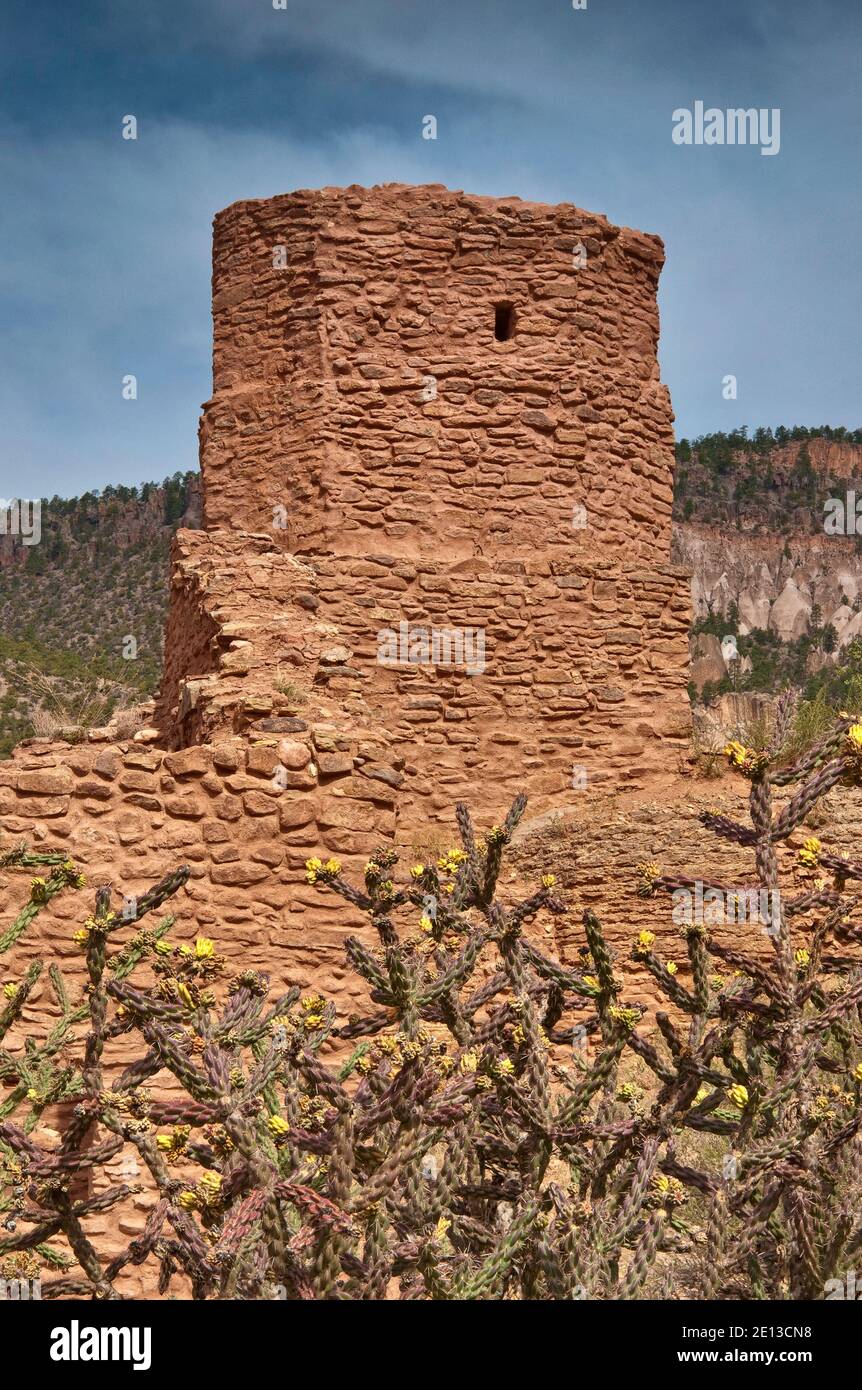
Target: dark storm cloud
<point>105,266</point>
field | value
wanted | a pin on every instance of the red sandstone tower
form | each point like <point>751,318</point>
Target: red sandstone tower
<point>432,414</point>
<point>423,373</point>
<point>448,408</point>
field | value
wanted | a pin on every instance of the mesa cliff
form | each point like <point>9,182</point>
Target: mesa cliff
<point>750,522</point>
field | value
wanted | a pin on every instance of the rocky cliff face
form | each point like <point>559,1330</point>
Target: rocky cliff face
<point>116,520</point>
<point>773,591</point>
<point>749,521</point>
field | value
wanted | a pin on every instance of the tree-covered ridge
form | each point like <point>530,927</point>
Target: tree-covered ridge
<point>758,482</point>
<point>91,519</point>
<point>69,605</point>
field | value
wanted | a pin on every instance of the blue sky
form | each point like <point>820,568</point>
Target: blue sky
<point>105,243</point>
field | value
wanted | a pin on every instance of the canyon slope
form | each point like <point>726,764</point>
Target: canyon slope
<point>775,596</point>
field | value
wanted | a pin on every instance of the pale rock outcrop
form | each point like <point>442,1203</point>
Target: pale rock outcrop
<point>790,612</point>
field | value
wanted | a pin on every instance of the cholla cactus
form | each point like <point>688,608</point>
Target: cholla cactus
<point>780,1041</point>
<point>469,1135</point>
<point>417,1164</point>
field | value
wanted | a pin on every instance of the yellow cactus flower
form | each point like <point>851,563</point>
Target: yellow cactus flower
<point>469,1063</point>
<point>38,890</point>
<point>450,860</point>
<point>188,1199</point>
<point>739,1095</point>
<point>505,1067</point>
<point>670,1190</point>
<point>175,1142</point>
<point>164,948</point>
<point>548,880</point>
<point>80,937</point>
<point>648,876</point>
<point>672,967</point>
<point>646,939</point>
<point>810,851</point>
<point>32,1093</point>
<point>185,994</point>
<point>441,1228</point>
<point>853,752</point>
<point>209,1187</point>
<point>858,1073</point>
<point>333,866</point>
<point>426,924</point>
<point>592,980</point>
<point>204,948</point>
<point>627,1017</point>
<point>746,760</point>
<point>10,990</point>
<point>417,870</point>
<point>277,1126</point>
<point>802,957</point>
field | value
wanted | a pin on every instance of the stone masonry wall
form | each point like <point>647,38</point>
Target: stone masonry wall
<point>373,456</point>
<point>361,386</point>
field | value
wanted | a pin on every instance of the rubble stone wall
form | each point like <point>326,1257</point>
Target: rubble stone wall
<point>359,384</point>
<point>372,457</point>
<point>343,501</point>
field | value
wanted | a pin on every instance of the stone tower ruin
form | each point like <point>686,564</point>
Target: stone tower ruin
<point>447,410</point>
<point>437,478</point>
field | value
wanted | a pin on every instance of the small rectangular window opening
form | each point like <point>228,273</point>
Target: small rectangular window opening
<point>504,322</point>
